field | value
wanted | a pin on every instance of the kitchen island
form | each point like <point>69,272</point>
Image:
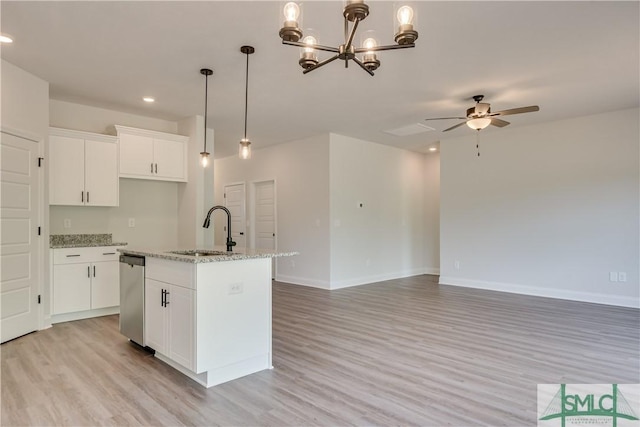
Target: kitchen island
<point>208,312</point>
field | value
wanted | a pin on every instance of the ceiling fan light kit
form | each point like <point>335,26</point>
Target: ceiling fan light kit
<point>354,12</point>
<point>480,115</point>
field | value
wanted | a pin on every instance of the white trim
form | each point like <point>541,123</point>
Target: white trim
<point>322,284</point>
<point>378,278</point>
<point>70,133</point>
<point>597,298</point>
<point>22,134</point>
<point>295,280</point>
<point>78,315</point>
<point>151,133</point>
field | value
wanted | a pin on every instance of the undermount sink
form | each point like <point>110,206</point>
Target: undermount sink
<point>198,252</point>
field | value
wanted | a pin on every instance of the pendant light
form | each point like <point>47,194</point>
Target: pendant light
<point>204,155</point>
<point>244,149</point>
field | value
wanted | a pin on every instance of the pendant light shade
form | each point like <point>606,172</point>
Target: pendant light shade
<point>204,155</point>
<point>244,149</point>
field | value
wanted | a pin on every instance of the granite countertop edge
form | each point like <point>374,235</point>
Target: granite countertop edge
<point>86,245</point>
<point>242,254</point>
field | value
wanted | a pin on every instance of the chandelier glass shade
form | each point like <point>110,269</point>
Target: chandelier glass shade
<point>365,56</point>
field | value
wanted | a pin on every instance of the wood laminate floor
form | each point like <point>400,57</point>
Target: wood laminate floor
<point>401,352</point>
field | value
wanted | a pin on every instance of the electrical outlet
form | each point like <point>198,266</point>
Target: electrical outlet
<point>235,288</point>
<point>613,276</point>
<point>622,276</point>
<point>67,223</point>
<point>132,222</point>
<point>456,265</point>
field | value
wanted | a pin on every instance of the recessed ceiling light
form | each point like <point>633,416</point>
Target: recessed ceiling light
<point>5,38</point>
<point>148,99</point>
<point>433,149</point>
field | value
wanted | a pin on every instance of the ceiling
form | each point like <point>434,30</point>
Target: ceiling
<point>571,58</point>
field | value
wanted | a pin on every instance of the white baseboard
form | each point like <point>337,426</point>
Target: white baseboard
<point>597,298</point>
<point>79,315</point>
<point>294,280</point>
<point>365,280</point>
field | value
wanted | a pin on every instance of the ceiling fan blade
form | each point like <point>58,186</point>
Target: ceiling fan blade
<point>453,127</point>
<point>498,122</point>
<point>448,118</point>
<point>520,110</point>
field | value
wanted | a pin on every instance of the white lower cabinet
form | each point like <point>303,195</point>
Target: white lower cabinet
<point>84,279</point>
<point>170,321</point>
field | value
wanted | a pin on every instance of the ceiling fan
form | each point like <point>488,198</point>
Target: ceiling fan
<point>480,115</point>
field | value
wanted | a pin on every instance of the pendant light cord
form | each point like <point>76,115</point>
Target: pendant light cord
<point>206,98</point>
<point>246,96</point>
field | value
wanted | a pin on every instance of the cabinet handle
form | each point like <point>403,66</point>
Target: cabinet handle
<point>94,271</point>
<point>87,197</point>
<point>151,167</point>
<point>162,298</point>
<point>108,253</point>
<point>156,168</point>
<point>82,196</point>
<point>69,256</point>
<point>166,300</point>
<point>88,271</point>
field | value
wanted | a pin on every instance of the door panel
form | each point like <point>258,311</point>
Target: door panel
<point>66,170</point>
<point>155,316</point>
<point>235,202</point>
<point>19,214</point>
<point>105,284</point>
<point>101,173</point>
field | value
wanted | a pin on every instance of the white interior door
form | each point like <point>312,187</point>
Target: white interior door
<point>234,199</point>
<point>265,217</point>
<point>19,213</point>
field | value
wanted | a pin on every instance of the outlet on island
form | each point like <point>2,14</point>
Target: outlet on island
<point>235,288</point>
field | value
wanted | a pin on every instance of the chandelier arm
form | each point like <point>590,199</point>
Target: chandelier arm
<point>388,47</point>
<point>352,34</point>
<point>315,46</point>
<point>320,64</point>
<point>357,61</point>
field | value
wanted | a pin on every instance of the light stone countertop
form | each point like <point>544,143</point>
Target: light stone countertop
<point>59,241</point>
<point>238,254</point>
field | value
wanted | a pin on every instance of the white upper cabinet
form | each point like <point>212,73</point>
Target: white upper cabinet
<point>83,168</point>
<point>146,154</point>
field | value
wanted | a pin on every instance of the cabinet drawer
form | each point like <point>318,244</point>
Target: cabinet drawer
<point>78,255</point>
<point>174,272</point>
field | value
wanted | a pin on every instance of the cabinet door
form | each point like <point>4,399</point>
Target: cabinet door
<point>101,173</point>
<point>66,171</point>
<point>136,155</point>
<point>155,316</point>
<point>71,288</point>
<point>181,326</point>
<point>105,284</point>
<point>170,158</point>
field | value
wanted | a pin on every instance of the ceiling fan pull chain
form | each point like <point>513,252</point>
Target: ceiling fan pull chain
<point>478,141</point>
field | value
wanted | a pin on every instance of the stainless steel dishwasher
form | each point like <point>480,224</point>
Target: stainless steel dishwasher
<point>132,298</point>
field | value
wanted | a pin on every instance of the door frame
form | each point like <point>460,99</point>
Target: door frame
<point>224,203</point>
<point>42,255</point>
<point>252,216</point>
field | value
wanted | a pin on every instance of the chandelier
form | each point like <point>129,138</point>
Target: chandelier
<point>354,12</point>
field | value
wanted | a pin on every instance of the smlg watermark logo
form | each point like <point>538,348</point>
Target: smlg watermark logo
<point>613,405</point>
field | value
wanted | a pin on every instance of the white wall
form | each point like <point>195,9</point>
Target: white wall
<point>153,204</point>
<point>546,210</point>
<point>319,185</point>
<point>432,212</point>
<point>301,174</point>
<point>197,193</point>
<point>101,120</point>
<point>24,108</point>
<point>385,238</point>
